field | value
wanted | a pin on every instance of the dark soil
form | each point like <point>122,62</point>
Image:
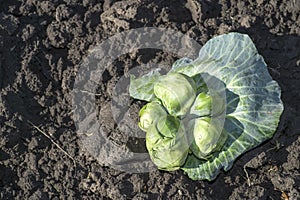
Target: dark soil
<point>42,44</point>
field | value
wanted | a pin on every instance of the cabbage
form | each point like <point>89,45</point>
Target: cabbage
<point>148,114</point>
<point>218,106</point>
<point>176,91</point>
<point>167,144</point>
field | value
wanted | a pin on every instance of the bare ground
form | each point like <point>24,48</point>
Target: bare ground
<point>41,46</point>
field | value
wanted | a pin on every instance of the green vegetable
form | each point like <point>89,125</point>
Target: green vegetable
<point>219,106</point>
<point>176,91</point>
<point>206,104</point>
<point>149,114</point>
<point>167,144</point>
<point>206,136</point>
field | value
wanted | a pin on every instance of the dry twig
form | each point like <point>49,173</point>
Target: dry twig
<point>247,176</point>
<point>55,143</point>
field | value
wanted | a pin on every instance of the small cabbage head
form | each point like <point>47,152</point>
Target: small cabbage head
<point>208,105</point>
<point>206,136</point>
<point>150,113</point>
<point>167,143</point>
<point>177,93</point>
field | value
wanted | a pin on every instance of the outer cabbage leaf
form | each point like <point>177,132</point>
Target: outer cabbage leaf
<point>233,59</point>
<point>142,88</point>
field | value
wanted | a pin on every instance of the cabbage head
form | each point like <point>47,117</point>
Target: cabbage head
<point>167,143</point>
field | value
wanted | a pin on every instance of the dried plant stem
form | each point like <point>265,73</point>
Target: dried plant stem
<point>55,143</point>
<point>247,176</point>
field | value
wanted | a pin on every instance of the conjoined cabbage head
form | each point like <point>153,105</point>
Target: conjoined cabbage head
<point>207,104</point>
<point>149,114</point>
<point>206,135</point>
<point>177,93</point>
<point>167,144</point>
